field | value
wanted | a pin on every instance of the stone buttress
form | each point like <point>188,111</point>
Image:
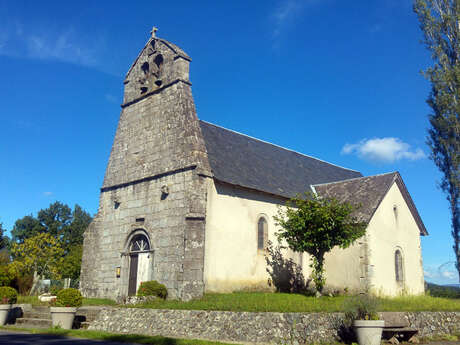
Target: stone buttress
<point>150,223</point>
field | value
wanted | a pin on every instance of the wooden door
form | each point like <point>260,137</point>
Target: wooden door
<point>132,274</point>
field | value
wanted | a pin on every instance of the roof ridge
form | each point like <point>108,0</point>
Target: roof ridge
<point>281,147</point>
<point>355,178</point>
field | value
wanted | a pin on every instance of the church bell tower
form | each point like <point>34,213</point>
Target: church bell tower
<point>150,223</point>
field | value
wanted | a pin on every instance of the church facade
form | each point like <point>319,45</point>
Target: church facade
<point>191,204</point>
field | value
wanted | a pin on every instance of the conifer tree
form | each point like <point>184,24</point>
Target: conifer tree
<point>439,21</point>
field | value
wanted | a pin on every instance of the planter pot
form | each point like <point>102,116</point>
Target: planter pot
<point>63,316</point>
<point>368,332</point>
<point>4,311</point>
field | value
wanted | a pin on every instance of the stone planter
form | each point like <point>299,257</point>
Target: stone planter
<point>368,332</point>
<point>63,316</point>
<point>4,311</point>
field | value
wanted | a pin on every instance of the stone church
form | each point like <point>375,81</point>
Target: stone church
<point>191,204</point>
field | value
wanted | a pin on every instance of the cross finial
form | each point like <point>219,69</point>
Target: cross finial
<point>154,31</point>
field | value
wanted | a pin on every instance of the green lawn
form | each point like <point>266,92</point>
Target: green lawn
<point>124,338</point>
<point>86,301</point>
<point>281,302</point>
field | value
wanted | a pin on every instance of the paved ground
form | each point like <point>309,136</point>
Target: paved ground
<point>15,338</point>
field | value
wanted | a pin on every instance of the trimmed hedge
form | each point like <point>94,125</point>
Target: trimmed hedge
<point>69,298</point>
<point>8,295</point>
<point>152,288</point>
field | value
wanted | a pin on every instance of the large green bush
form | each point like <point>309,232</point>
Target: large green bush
<point>69,298</point>
<point>8,295</point>
<point>152,288</point>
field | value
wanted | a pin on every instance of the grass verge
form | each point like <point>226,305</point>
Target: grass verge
<point>122,338</point>
<point>278,302</point>
<point>295,303</point>
<point>86,301</point>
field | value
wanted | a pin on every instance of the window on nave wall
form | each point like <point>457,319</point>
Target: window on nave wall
<point>262,233</point>
<point>399,266</point>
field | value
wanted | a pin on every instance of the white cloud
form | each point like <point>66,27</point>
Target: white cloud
<point>442,274</point>
<point>47,193</point>
<point>47,43</point>
<point>286,11</point>
<point>448,274</point>
<point>383,149</point>
<point>64,47</point>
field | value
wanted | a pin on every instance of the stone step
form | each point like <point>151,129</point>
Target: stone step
<point>36,315</point>
<point>40,309</point>
<point>33,323</point>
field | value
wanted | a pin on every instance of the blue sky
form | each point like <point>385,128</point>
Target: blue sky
<point>338,80</point>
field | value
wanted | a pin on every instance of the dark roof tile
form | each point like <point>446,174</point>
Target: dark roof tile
<point>368,192</point>
<point>248,162</point>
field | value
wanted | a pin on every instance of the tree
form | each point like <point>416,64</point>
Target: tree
<point>58,220</point>
<point>41,253</point>
<point>3,238</point>
<point>316,225</point>
<point>71,263</point>
<point>26,227</point>
<point>439,21</point>
<point>73,235</point>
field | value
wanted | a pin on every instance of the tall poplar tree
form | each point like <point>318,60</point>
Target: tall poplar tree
<point>439,21</point>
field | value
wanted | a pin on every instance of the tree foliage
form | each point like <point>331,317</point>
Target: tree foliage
<point>316,225</point>
<point>439,21</point>
<point>42,254</point>
<point>58,220</point>
<point>71,263</point>
<point>3,238</point>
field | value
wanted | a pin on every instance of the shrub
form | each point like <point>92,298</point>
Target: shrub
<point>7,275</point>
<point>54,290</point>
<point>152,288</point>
<point>362,307</point>
<point>69,298</point>
<point>8,295</point>
<point>23,283</point>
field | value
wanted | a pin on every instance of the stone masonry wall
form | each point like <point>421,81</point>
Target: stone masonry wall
<point>178,243</point>
<point>156,181</point>
<point>263,328</point>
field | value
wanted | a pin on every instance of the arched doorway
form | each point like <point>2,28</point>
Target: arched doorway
<point>139,261</point>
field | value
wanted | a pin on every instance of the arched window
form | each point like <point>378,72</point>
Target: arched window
<point>399,266</point>
<point>262,233</point>
<point>139,243</point>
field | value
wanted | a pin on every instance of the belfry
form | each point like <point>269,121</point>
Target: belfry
<point>150,222</point>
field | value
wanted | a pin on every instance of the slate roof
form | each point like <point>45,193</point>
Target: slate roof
<point>369,193</point>
<point>248,162</point>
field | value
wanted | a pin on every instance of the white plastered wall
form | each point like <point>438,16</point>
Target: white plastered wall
<point>393,227</point>
<point>232,261</point>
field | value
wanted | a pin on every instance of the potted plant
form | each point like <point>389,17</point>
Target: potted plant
<point>8,296</point>
<point>361,314</point>
<point>66,304</point>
